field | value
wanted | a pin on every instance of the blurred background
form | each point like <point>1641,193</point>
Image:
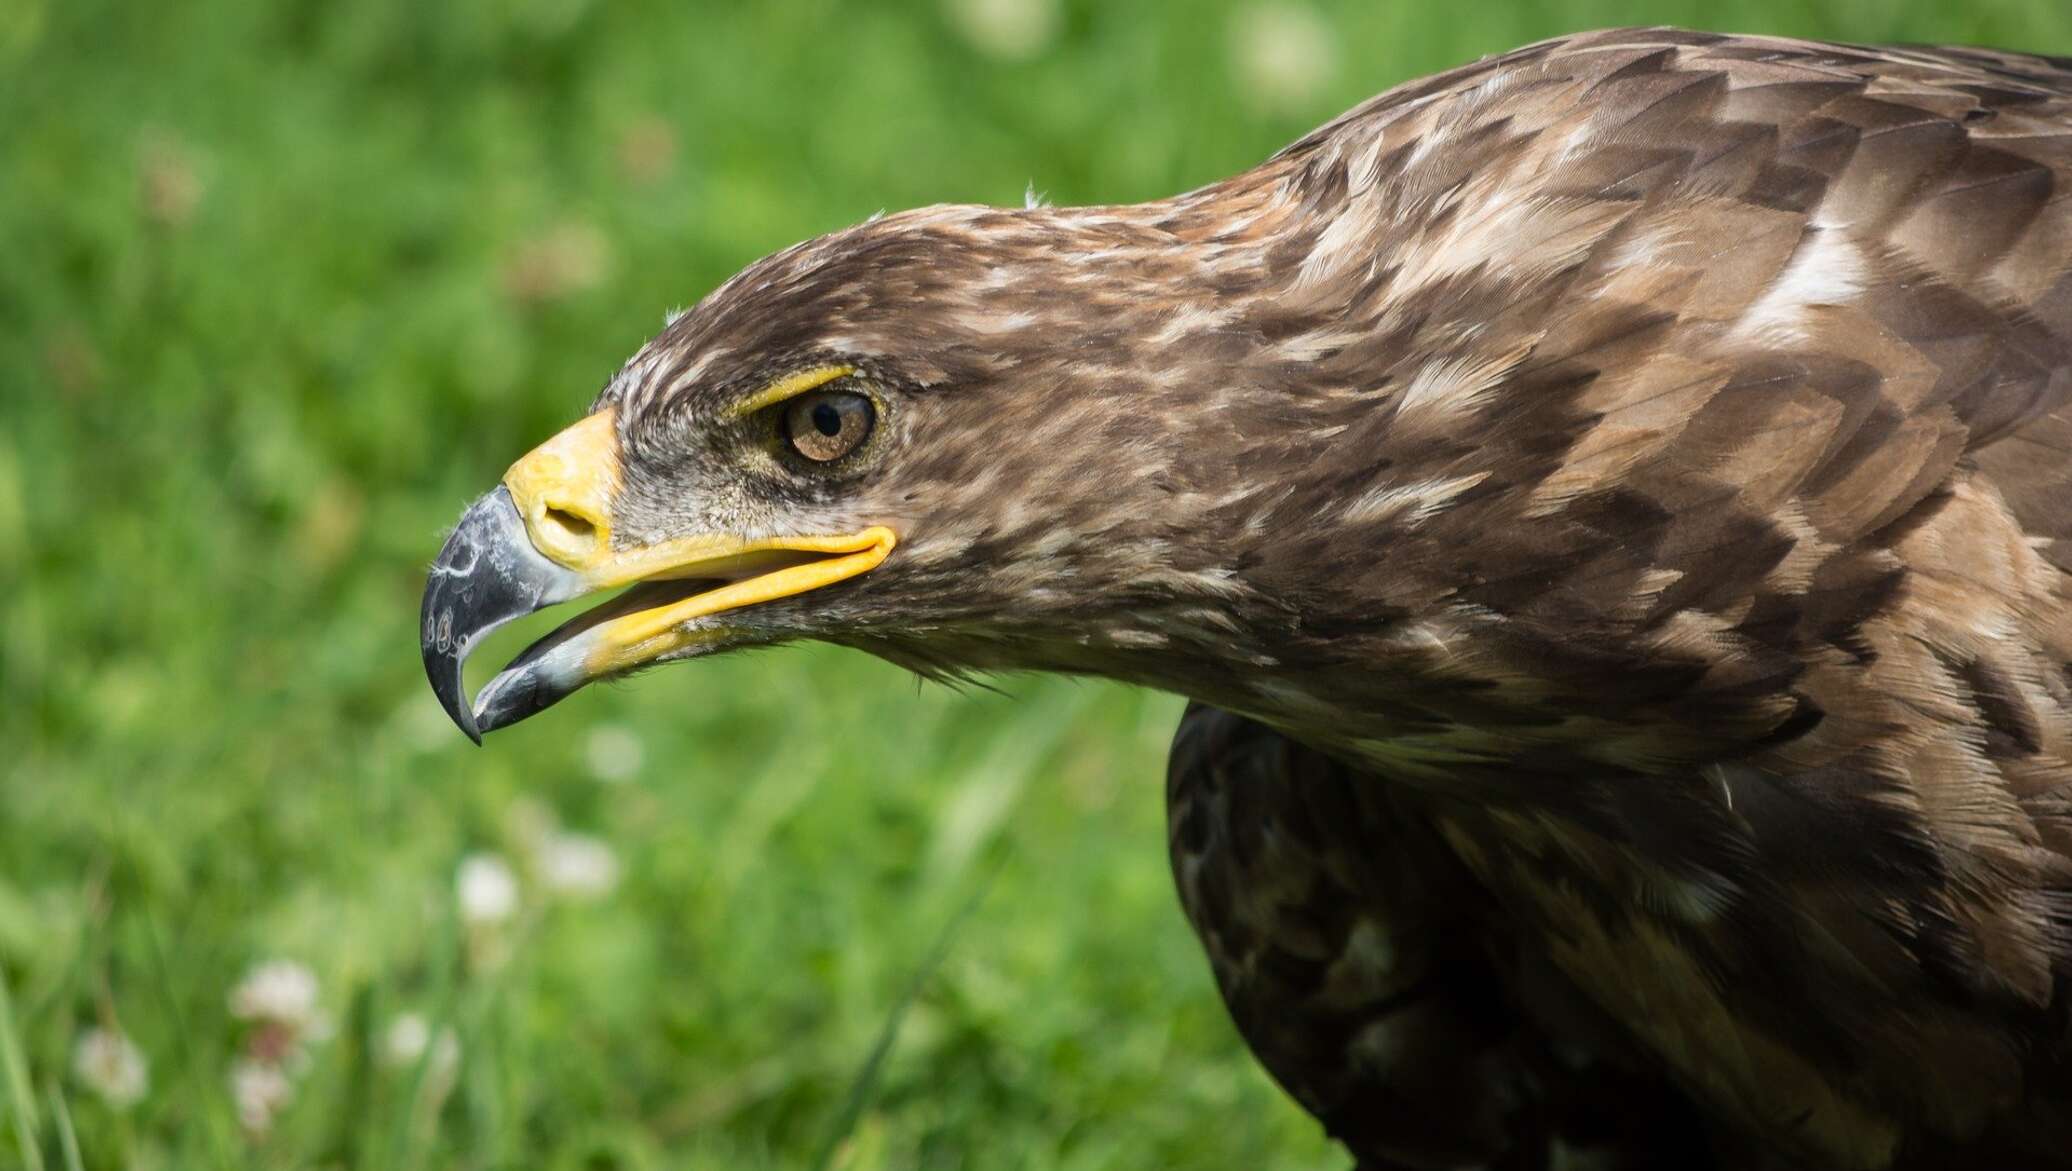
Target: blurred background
<point>283,285</point>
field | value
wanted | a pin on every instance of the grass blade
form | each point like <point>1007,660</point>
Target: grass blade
<point>866,1080</point>
<point>208,1106</point>
<point>414,1127</point>
<point>68,1139</point>
<point>21,1104</point>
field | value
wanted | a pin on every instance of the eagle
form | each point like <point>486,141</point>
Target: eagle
<point>1609,505</point>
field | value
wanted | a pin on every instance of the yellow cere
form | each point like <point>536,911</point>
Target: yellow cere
<point>563,489</point>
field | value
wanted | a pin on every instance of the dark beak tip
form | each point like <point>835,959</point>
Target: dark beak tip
<point>465,720</point>
<point>443,658</point>
<point>443,669</point>
<point>487,574</point>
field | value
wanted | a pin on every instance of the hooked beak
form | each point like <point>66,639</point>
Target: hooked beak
<point>544,536</point>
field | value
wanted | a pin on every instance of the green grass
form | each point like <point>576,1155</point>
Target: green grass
<point>283,286</point>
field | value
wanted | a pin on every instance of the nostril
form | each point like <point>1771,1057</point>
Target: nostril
<point>571,526</point>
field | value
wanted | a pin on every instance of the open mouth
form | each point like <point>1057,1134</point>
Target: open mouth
<point>648,597</point>
<point>491,572</point>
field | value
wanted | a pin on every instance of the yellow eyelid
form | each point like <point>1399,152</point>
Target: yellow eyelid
<point>788,387</point>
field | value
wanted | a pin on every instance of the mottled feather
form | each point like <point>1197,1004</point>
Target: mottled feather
<point>1620,493</point>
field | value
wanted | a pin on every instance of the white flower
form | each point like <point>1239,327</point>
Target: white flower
<point>112,1066</point>
<point>279,991</point>
<point>613,752</point>
<point>1013,30</point>
<point>259,1089</point>
<point>486,889</point>
<point>406,1041</point>
<point>1284,54</point>
<point>577,865</point>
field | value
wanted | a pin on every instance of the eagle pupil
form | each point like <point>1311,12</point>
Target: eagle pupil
<point>827,424</point>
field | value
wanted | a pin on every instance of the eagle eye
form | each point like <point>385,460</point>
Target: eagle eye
<point>825,425</point>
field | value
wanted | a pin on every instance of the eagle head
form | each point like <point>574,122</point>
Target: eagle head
<point>952,437</point>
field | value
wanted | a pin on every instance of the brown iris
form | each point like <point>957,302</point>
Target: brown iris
<point>825,425</point>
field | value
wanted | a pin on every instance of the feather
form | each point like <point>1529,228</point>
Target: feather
<point>1612,505</point>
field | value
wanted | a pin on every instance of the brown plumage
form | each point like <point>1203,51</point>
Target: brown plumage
<point>1612,504</point>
